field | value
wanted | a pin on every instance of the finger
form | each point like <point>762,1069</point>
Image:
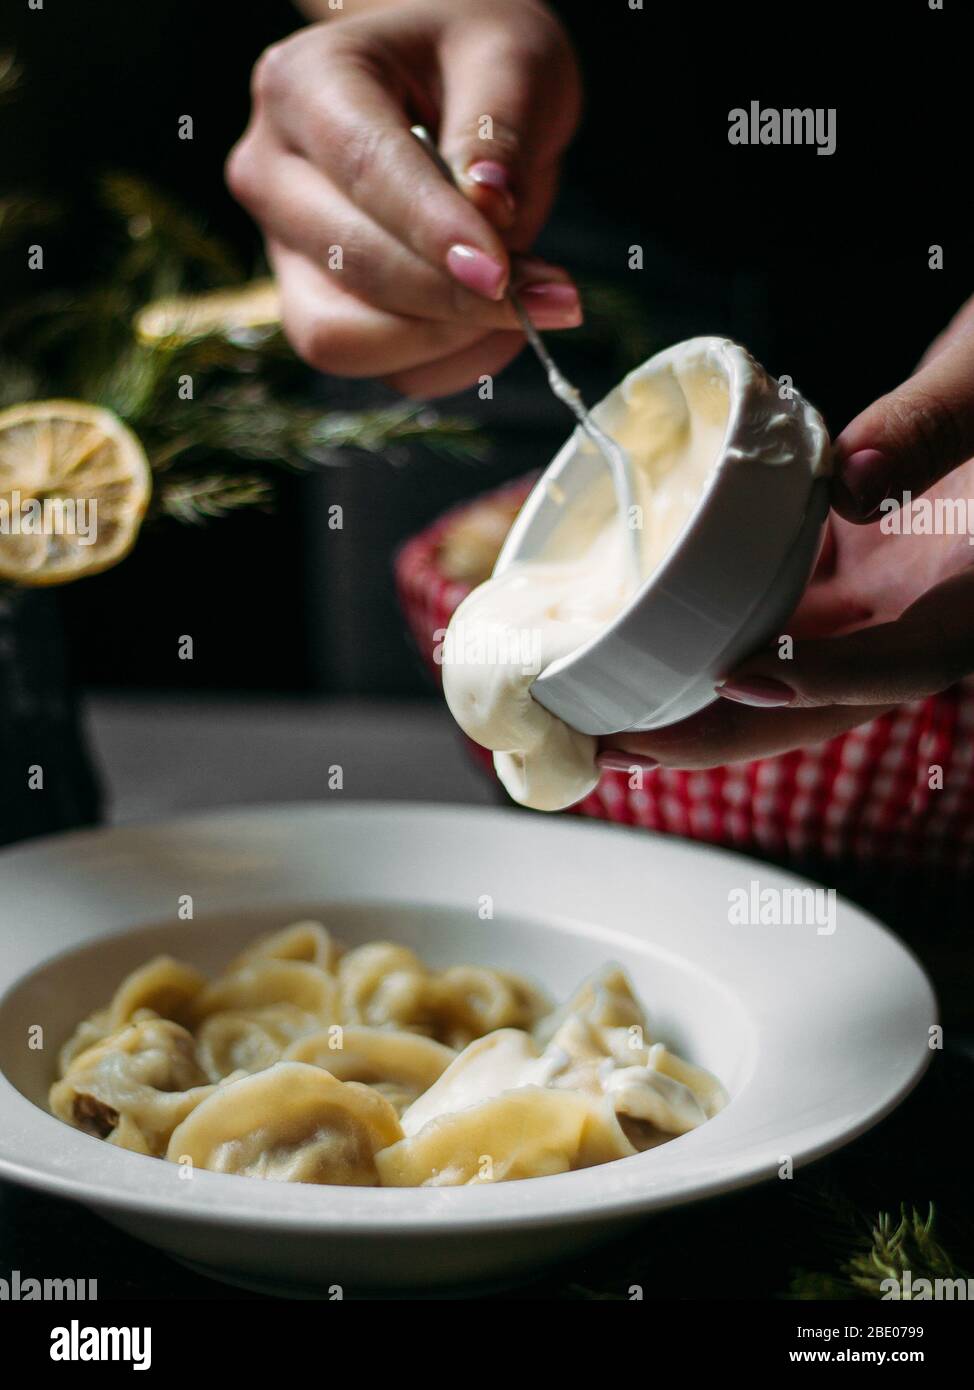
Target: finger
<point>730,733</point>
<point>927,649</point>
<point>490,354</point>
<point>296,205</point>
<point>460,369</point>
<point>510,105</point>
<point>357,132</point>
<point>534,205</point>
<point>339,334</point>
<point>908,440</point>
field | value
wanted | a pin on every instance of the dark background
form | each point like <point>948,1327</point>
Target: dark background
<point>819,265</point>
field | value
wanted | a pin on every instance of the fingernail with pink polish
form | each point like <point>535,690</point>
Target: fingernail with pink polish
<point>612,760</point>
<point>552,305</point>
<point>864,477</point>
<point>476,270</point>
<point>762,691</point>
<point>490,175</point>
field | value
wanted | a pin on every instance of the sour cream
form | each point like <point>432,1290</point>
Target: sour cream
<point>673,418</point>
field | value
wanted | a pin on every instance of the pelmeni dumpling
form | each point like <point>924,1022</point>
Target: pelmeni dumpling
<point>163,987</point>
<point>499,1062</point>
<point>642,1083</point>
<point>310,942</point>
<point>525,1133</point>
<point>467,1001</point>
<point>289,1123</point>
<point>691,1094</point>
<point>91,1031</point>
<point>268,982</point>
<point>685,1095</point>
<point>249,1041</point>
<point>383,985</point>
<point>304,1057</point>
<point>134,1087</point>
<point>606,999</point>
<point>399,1065</point>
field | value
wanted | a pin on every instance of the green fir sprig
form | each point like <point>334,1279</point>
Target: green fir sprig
<point>249,399</point>
<point>884,1249</point>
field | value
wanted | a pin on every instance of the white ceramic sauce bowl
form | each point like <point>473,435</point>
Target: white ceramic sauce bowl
<point>814,1036</point>
<point>731,578</point>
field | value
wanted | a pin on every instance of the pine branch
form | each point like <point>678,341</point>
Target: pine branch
<point>131,385</point>
<point>376,431</point>
<point>247,421</point>
<point>909,1244</point>
<point>194,501</point>
<point>886,1250</point>
<point>247,385</point>
<point>151,215</point>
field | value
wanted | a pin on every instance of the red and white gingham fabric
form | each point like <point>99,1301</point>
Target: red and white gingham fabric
<point>861,796</point>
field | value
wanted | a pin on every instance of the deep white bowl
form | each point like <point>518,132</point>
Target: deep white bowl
<point>733,575</point>
<point>814,1036</point>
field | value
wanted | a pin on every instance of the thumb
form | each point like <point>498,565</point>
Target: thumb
<point>509,108</point>
<point>928,648</point>
<point>908,440</point>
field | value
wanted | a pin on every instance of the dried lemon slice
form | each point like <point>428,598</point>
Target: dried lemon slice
<point>181,318</point>
<point>74,486</point>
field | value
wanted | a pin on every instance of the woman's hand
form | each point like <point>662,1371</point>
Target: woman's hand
<point>888,617</point>
<point>385,270</point>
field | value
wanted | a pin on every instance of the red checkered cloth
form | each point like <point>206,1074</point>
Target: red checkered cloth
<point>863,796</point>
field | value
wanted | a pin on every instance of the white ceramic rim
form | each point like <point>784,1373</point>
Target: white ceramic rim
<point>722,1155</point>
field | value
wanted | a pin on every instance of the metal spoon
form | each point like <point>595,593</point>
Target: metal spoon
<point>620,468</point>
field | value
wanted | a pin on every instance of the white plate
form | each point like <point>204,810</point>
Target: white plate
<point>815,1036</point>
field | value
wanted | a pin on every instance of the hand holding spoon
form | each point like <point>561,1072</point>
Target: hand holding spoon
<point>615,456</point>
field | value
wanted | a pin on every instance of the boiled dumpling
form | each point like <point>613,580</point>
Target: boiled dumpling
<point>268,982</point>
<point>673,1095</point>
<point>399,1065</point>
<point>606,999</point>
<point>467,1001</point>
<point>249,1041</point>
<point>704,1085</point>
<point>645,1084</point>
<point>303,1057</point>
<point>676,1095</point>
<point>134,1087</point>
<point>289,1123</point>
<point>499,1062</point>
<point>163,987</point>
<point>91,1031</point>
<point>310,942</point>
<point>525,1133</point>
<point>383,984</point>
